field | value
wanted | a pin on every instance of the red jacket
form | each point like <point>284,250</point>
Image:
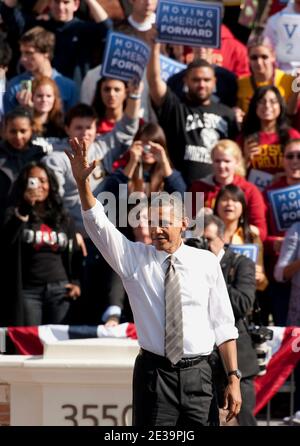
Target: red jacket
<point>255,202</point>
<point>233,54</point>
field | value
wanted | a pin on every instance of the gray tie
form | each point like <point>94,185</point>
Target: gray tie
<point>173,314</point>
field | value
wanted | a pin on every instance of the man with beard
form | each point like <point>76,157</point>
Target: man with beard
<point>193,124</point>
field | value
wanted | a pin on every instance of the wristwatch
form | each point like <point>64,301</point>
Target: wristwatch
<point>236,372</point>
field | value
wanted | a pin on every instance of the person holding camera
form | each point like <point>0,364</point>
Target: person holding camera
<point>239,275</point>
<point>148,168</point>
<point>42,259</point>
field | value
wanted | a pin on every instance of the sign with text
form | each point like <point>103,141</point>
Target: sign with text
<point>189,23</point>
<point>260,178</point>
<point>125,57</point>
<point>169,67</point>
<point>288,36</point>
<point>285,205</point>
<point>249,250</point>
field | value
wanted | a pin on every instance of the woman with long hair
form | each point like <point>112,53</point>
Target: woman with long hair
<point>229,168</point>
<point>109,103</point>
<point>148,168</point>
<point>47,108</point>
<point>41,254</point>
<point>231,207</point>
<point>265,130</point>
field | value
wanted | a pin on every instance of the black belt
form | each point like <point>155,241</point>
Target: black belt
<point>183,363</point>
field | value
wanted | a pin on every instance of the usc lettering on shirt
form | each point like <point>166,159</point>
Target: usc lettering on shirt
<point>269,158</point>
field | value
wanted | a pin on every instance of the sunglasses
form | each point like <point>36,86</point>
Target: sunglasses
<point>292,155</point>
<point>259,56</point>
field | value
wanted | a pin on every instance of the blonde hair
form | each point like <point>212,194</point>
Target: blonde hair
<point>231,147</point>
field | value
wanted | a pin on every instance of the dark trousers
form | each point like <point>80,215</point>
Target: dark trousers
<point>164,395</point>
<point>246,417</point>
<point>46,304</point>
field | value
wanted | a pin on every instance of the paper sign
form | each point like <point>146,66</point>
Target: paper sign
<point>169,67</point>
<point>285,205</point>
<point>189,23</point>
<point>249,250</point>
<point>125,57</point>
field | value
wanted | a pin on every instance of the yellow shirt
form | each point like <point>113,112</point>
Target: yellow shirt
<point>282,81</point>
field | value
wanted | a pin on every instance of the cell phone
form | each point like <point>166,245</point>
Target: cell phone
<point>26,85</point>
<point>33,183</point>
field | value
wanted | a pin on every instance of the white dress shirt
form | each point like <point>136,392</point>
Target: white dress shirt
<point>206,309</point>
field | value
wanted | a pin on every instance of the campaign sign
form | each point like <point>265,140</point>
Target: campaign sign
<point>189,23</point>
<point>285,205</point>
<point>125,57</point>
<point>260,178</point>
<point>249,250</point>
<point>169,67</point>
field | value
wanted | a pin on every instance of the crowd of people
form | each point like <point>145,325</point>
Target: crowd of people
<point>227,126</point>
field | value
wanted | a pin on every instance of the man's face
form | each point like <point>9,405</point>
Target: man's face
<point>166,228</point>
<point>82,128</point>
<point>143,8</point>
<point>63,10</point>
<point>31,59</point>
<point>201,83</point>
<point>215,243</point>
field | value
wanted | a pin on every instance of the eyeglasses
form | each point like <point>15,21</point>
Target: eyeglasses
<point>292,155</point>
<point>259,56</point>
<point>266,102</point>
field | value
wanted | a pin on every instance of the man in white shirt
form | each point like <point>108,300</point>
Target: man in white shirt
<point>167,392</point>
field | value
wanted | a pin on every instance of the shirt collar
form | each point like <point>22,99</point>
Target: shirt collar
<point>145,26</point>
<point>181,254</point>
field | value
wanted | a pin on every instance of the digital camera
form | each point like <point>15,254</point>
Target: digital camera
<point>33,183</point>
<point>146,148</point>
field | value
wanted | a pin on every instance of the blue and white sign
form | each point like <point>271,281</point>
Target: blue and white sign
<point>189,23</point>
<point>285,205</point>
<point>125,57</point>
<point>249,250</point>
<point>169,67</point>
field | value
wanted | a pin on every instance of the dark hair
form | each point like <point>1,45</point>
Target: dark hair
<point>55,214</point>
<point>43,41</point>
<point>5,53</point>
<point>19,112</point>
<point>252,124</point>
<point>153,132</point>
<point>210,219</point>
<point>97,103</point>
<point>80,111</point>
<point>289,142</point>
<point>199,63</point>
<point>237,195</point>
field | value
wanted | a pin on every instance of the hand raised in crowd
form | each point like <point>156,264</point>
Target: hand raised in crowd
<point>135,87</point>
<point>72,291</point>
<point>24,97</point>
<point>251,147</point>
<point>135,152</point>
<point>78,158</point>
<point>161,157</point>
<point>239,114</point>
<point>33,194</point>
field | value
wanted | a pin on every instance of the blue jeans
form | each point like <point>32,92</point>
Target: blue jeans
<point>46,304</point>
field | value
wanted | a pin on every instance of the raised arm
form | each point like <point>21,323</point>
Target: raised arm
<point>97,11</point>
<point>81,170</point>
<point>157,87</point>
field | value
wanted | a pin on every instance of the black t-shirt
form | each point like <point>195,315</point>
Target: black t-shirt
<point>192,131</point>
<point>42,249</point>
